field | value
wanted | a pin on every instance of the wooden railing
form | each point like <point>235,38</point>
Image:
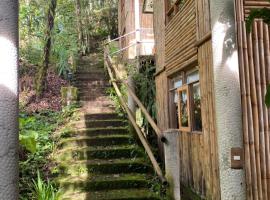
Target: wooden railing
<point>115,78</point>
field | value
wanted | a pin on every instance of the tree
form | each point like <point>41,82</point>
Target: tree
<point>79,24</point>
<point>42,73</point>
<point>8,99</point>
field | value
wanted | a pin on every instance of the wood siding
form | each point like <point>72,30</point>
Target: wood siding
<point>181,37</point>
<point>161,80</point>
<point>254,60</point>
<point>126,14</point>
<point>187,39</point>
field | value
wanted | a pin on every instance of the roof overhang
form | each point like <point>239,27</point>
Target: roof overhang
<point>148,6</point>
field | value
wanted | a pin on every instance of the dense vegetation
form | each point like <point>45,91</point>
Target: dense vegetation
<point>53,34</point>
<point>37,144</point>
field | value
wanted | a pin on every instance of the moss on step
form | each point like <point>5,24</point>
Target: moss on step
<point>107,123</point>
<point>69,95</point>
<point>96,131</point>
<point>113,166</point>
<point>102,116</point>
<point>99,153</point>
<point>123,194</point>
<point>188,194</point>
<point>105,182</point>
<point>103,140</point>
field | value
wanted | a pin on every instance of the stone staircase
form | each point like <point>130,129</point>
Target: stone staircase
<point>98,158</point>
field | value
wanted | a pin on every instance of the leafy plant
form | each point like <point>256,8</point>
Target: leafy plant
<point>44,190</point>
<point>113,96</point>
<point>37,144</point>
<point>263,13</point>
<point>146,90</point>
<point>28,140</point>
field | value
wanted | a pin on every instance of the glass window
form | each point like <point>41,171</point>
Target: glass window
<point>178,82</point>
<point>196,107</point>
<point>186,100</point>
<point>183,108</point>
<point>193,77</point>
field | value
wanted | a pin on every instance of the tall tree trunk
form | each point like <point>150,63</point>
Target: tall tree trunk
<point>9,99</point>
<point>42,73</point>
<point>79,25</point>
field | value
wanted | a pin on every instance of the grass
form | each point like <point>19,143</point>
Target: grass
<point>36,146</point>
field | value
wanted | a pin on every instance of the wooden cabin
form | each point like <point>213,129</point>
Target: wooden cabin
<point>211,80</point>
<point>136,27</point>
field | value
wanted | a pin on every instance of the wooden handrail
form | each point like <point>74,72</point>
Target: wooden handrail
<point>138,102</point>
<point>138,130</point>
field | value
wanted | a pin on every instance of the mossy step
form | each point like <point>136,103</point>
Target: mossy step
<point>103,116</point>
<point>103,140</point>
<point>93,98</point>
<point>124,194</point>
<point>96,83</point>
<point>104,182</point>
<point>97,131</point>
<point>119,123</point>
<point>105,166</point>
<point>110,152</point>
<point>96,77</point>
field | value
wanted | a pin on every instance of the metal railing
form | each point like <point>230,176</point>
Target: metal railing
<point>132,44</point>
<point>115,78</point>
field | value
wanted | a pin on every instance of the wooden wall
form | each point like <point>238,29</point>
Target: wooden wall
<point>126,14</point>
<point>161,78</point>
<point>254,61</point>
<point>187,40</point>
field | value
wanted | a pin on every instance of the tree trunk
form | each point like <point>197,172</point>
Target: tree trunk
<point>9,99</point>
<point>79,25</point>
<point>42,73</point>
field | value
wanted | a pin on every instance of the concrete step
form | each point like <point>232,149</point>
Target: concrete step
<point>99,131</point>
<point>104,140</point>
<point>92,84</point>
<point>89,182</point>
<point>102,116</point>
<point>110,152</point>
<point>105,166</point>
<point>102,124</point>
<point>124,194</point>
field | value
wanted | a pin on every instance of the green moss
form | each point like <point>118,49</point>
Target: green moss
<point>188,194</point>
<point>69,95</point>
<point>169,191</point>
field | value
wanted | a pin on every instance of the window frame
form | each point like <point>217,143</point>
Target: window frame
<point>186,88</point>
<point>184,73</point>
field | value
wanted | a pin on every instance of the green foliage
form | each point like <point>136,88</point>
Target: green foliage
<point>267,97</point>
<point>44,190</point>
<point>37,144</point>
<point>28,139</point>
<point>146,90</point>
<point>263,13</point>
<point>113,96</point>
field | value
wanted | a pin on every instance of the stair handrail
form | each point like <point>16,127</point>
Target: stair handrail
<point>124,36</point>
<point>131,117</point>
<point>138,102</point>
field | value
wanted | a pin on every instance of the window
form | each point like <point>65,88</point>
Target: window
<point>186,101</point>
<point>183,108</point>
